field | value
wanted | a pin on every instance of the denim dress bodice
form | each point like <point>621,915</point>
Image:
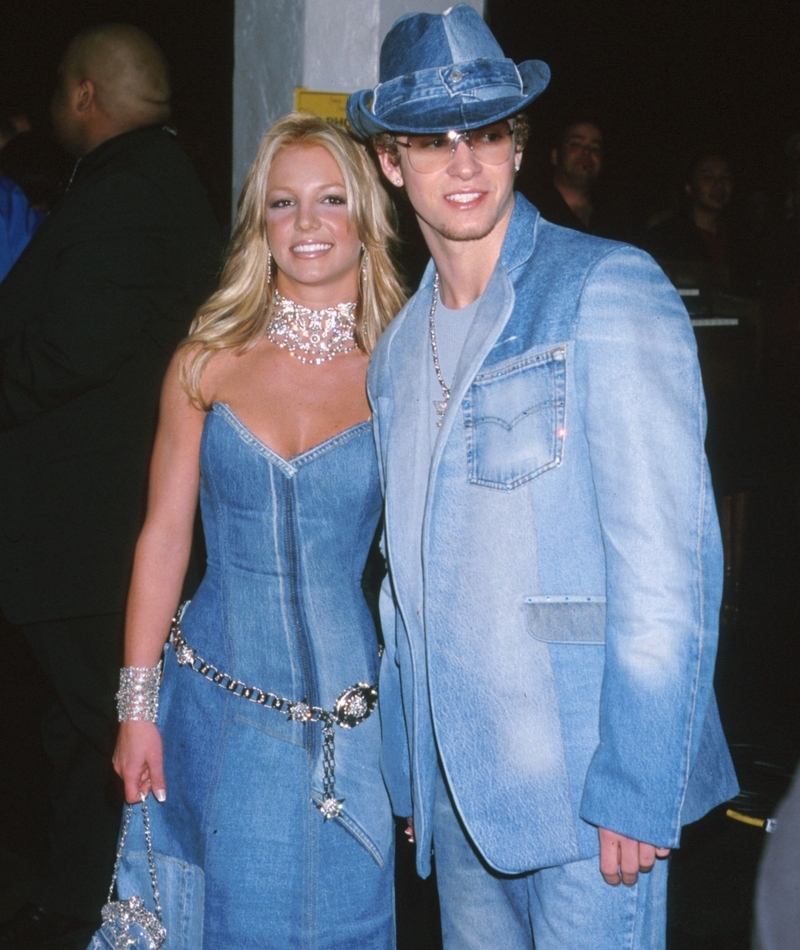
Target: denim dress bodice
<point>281,605</point>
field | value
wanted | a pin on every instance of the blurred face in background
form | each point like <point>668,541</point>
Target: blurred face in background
<point>711,184</point>
<point>579,158</point>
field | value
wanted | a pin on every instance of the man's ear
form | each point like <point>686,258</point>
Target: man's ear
<point>554,157</point>
<point>390,169</point>
<point>86,95</point>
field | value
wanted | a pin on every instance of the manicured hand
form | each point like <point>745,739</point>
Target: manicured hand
<point>139,761</point>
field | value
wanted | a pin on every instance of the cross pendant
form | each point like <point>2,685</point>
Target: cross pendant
<point>440,405</point>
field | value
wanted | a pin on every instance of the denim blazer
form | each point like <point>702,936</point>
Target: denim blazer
<point>551,611</point>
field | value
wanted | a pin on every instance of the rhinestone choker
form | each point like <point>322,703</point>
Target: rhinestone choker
<point>312,336</point>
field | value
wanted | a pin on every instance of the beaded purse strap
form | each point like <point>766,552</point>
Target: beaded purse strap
<point>123,914</point>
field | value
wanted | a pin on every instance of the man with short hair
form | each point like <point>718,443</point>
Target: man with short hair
<point>699,232</point>
<point>578,156</point>
<point>551,610</point>
<point>717,251</point>
<point>89,316</point>
<point>577,162</point>
<point>573,197</point>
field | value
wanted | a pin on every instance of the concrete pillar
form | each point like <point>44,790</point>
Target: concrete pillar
<point>328,45</point>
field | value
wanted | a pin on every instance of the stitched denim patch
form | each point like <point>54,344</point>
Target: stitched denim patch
<point>566,619</point>
<point>514,420</point>
<point>182,890</point>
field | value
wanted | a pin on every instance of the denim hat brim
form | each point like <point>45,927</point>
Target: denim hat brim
<point>462,96</point>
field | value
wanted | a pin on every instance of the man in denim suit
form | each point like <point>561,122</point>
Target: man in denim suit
<point>555,566</point>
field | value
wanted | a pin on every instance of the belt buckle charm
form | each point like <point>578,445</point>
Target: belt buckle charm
<point>355,705</point>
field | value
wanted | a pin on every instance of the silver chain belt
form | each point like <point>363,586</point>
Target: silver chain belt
<point>352,707</point>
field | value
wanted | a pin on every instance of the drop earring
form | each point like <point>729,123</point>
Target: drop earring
<point>269,266</point>
<point>364,266</point>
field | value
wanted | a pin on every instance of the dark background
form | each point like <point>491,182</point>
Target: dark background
<point>664,77</point>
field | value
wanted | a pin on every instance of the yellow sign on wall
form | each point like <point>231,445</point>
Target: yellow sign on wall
<point>327,105</point>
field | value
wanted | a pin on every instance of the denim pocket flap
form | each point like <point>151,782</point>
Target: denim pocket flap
<point>514,420</point>
<point>566,618</point>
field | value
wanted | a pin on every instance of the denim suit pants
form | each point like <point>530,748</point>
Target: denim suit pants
<point>568,907</point>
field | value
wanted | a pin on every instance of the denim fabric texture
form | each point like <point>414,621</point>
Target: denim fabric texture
<point>180,883</point>
<point>551,615</point>
<point>247,859</point>
<point>567,907</point>
<point>443,71</point>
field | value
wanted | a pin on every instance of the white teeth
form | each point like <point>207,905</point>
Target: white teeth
<point>463,198</point>
<point>300,248</point>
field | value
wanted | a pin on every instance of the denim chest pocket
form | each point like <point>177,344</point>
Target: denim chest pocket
<point>514,420</point>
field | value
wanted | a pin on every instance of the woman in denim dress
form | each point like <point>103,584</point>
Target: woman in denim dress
<point>271,826</point>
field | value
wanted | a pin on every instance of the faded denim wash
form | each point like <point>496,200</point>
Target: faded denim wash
<point>556,568</point>
<point>568,907</point>
<point>245,858</point>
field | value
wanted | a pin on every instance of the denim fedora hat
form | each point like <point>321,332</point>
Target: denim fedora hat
<point>443,71</point>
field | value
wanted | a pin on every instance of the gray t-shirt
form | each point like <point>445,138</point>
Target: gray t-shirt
<point>452,327</point>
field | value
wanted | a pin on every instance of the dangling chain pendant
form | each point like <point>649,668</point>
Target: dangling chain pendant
<point>331,806</point>
<point>353,706</point>
<point>440,405</point>
<point>312,336</point>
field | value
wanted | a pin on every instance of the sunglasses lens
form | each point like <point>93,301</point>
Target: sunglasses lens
<point>490,144</point>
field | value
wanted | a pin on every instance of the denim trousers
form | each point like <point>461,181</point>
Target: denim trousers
<point>569,907</point>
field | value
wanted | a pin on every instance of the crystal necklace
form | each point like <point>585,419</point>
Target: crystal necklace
<point>439,404</point>
<point>312,336</point>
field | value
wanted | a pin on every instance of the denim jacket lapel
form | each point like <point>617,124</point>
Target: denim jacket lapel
<point>494,310</point>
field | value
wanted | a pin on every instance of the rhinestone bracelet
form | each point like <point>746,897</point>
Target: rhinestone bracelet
<point>137,699</point>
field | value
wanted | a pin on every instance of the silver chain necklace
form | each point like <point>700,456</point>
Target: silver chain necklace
<point>439,404</point>
<point>312,336</point>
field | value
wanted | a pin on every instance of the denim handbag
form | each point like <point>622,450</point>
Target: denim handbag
<point>128,924</point>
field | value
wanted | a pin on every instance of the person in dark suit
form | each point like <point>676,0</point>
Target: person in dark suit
<point>89,316</point>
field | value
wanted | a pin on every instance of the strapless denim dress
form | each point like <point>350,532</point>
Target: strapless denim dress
<point>244,856</point>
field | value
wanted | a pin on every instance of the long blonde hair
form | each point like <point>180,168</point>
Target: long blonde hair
<point>237,315</point>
